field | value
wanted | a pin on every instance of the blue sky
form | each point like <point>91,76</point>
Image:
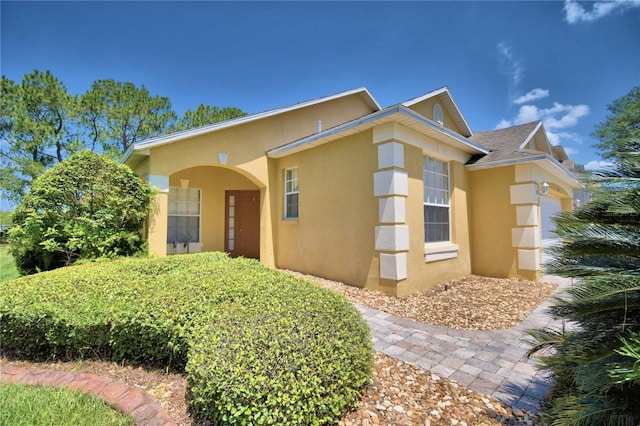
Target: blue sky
<point>504,62</point>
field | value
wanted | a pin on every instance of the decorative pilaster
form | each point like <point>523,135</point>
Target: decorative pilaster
<point>391,186</point>
<point>525,237</point>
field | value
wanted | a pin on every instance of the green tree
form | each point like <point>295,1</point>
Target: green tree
<point>35,123</point>
<point>85,207</point>
<point>595,363</point>
<point>115,115</point>
<point>206,114</point>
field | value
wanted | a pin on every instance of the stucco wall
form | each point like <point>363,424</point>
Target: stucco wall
<point>334,234</point>
<point>491,221</point>
<point>425,108</point>
<point>423,275</point>
<point>244,148</point>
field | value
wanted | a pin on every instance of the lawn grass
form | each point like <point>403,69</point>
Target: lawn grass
<point>22,405</point>
<point>8,269</point>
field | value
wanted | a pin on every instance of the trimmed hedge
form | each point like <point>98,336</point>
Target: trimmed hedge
<point>259,346</point>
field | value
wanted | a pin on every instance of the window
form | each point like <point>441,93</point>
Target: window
<point>435,175</point>
<point>291,194</point>
<point>437,114</point>
<point>184,215</point>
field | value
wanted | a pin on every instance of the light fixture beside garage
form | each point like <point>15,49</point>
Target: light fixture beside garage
<point>545,189</point>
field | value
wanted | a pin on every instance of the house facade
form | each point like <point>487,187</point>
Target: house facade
<point>394,199</point>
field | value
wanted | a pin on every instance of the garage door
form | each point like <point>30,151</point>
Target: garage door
<point>549,207</point>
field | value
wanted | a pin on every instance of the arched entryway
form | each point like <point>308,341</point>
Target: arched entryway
<point>213,208</point>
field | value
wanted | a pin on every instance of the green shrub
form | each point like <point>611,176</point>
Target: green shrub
<point>300,356</point>
<point>259,346</point>
<point>85,207</point>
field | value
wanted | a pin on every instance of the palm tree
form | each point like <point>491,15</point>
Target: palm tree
<point>596,364</point>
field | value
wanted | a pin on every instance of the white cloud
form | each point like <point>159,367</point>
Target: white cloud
<point>568,115</point>
<point>574,137</point>
<point>555,119</point>
<point>511,66</point>
<point>598,165</point>
<point>532,96</point>
<point>570,151</point>
<point>503,124</point>
<point>559,116</point>
<point>574,12</point>
<point>554,139</point>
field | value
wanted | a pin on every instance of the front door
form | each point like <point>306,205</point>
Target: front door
<point>242,223</point>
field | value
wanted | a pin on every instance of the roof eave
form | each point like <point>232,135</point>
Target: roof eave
<point>189,133</point>
<point>545,161</point>
<point>370,121</point>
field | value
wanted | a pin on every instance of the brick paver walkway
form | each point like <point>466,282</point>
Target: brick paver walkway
<point>143,407</point>
<point>488,362</point>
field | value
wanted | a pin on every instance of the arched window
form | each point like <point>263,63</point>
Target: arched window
<point>437,114</point>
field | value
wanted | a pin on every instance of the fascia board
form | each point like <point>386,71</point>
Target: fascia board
<point>441,91</point>
<point>126,155</point>
<point>372,120</point>
<point>461,139</point>
<point>543,160</point>
<point>419,99</point>
<point>530,136</point>
<point>185,134</point>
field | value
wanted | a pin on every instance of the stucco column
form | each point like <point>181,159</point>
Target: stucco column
<point>391,186</point>
<point>158,217</point>
<point>525,236</point>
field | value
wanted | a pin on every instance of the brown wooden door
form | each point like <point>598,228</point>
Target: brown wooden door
<point>242,223</point>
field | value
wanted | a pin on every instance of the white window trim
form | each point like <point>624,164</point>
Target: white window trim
<point>448,205</point>
<point>199,215</point>
<point>287,193</point>
<point>438,251</point>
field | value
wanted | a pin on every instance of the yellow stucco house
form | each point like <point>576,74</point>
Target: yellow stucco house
<point>395,199</point>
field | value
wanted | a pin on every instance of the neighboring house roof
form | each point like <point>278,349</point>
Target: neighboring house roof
<point>173,137</point>
<point>559,153</point>
<point>446,98</point>
<point>397,113</point>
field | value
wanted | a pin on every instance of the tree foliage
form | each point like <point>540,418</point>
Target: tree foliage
<point>115,115</point>
<point>596,363</point>
<point>35,118</point>
<point>204,115</point>
<point>41,124</point>
<point>85,207</point>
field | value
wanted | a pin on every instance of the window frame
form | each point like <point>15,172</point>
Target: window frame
<point>198,238</point>
<point>437,111</point>
<point>288,194</point>
<point>446,193</point>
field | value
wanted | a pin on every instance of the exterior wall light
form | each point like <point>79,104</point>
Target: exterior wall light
<point>545,189</point>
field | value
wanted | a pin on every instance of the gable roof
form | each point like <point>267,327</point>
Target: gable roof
<point>449,103</point>
<point>508,147</point>
<point>184,134</point>
<point>507,143</point>
<point>397,113</point>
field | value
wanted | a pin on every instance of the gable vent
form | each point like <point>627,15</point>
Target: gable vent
<point>437,114</point>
